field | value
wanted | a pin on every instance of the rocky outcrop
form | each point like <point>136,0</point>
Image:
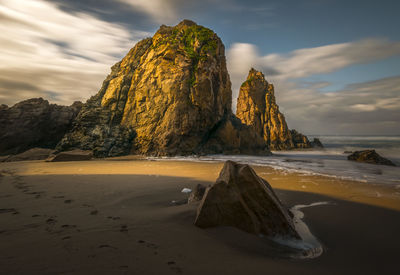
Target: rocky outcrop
<point>370,156</point>
<point>299,140</point>
<point>34,123</point>
<point>316,143</point>
<point>170,95</point>
<point>73,155</point>
<point>31,154</point>
<point>241,199</point>
<point>232,137</point>
<point>257,108</point>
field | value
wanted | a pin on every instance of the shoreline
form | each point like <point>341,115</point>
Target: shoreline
<point>107,217</point>
<point>382,195</point>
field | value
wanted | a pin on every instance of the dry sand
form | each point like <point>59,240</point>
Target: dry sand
<point>116,217</point>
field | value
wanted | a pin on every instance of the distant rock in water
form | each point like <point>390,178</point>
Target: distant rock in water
<point>241,199</point>
<point>170,95</point>
<point>299,140</point>
<point>257,108</point>
<point>31,154</point>
<point>369,156</point>
<point>34,123</point>
<point>73,155</point>
<point>316,143</point>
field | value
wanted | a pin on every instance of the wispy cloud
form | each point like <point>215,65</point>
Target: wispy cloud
<point>358,108</point>
<point>161,11</point>
<point>46,51</point>
<point>172,11</point>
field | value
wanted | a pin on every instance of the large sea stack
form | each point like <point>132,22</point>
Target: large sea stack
<point>34,123</point>
<point>257,108</point>
<point>170,95</point>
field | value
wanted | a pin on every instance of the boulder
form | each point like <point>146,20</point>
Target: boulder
<point>299,140</point>
<point>32,154</point>
<point>241,199</point>
<point>369,156</point>
<point>73,155</point>
<point>197,193</point>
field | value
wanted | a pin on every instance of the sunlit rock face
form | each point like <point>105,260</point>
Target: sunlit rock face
<point>257,108</point>
<point>167,96</point>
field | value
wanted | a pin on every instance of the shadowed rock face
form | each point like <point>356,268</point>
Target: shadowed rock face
<point>34,123</point>
<point>241,199</point>
<point>31,154</point>
<point>256,107</point>
<point>370,156</point>
<point>168,96</point>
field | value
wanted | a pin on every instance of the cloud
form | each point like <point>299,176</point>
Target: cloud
<point>358,108</point>
<point>162,11</point>
<point>172,11</point>
<point>46,51</point>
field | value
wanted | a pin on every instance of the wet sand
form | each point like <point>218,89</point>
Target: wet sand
<point>116,217</point>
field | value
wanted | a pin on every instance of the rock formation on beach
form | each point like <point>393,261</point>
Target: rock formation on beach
<point>241,199</point>
<point>370,156</point>
<point>31,154</point>
<point>316,143</point>
<point>34,123</point>
<point>170,95</point>
<point>256,107</point>
<point>73,155</point>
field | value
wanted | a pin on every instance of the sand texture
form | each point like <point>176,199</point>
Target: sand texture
<point>116,217</point>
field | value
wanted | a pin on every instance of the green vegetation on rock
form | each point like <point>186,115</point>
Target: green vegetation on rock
<point>196,41</point>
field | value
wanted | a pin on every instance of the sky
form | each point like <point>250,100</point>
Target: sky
<point>335,64</point>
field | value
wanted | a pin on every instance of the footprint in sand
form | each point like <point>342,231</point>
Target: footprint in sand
<point>124,228</point>
<point>113,218</point>
<point>106,246</point>
<point>172,265</point>
<point>68,201</point>
<point>94,212</point>
<point>68,226</point>
<point>51,221</point>
<point>7,210</point>
<point>149,245</point>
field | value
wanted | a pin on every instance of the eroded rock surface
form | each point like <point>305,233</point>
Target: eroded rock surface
<point>257,108</point>
<point>167,96</point>
<point>197,193</point>
<point>31,154</point>
<point>370,156</point>
<point>241,199</point>
<point>34,123</point>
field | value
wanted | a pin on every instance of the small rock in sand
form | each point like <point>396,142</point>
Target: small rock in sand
<point>74,155</point>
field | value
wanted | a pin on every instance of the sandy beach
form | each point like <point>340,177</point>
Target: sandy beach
<point>115,216</point>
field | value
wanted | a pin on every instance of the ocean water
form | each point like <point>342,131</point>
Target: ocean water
<point>330,161</point>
